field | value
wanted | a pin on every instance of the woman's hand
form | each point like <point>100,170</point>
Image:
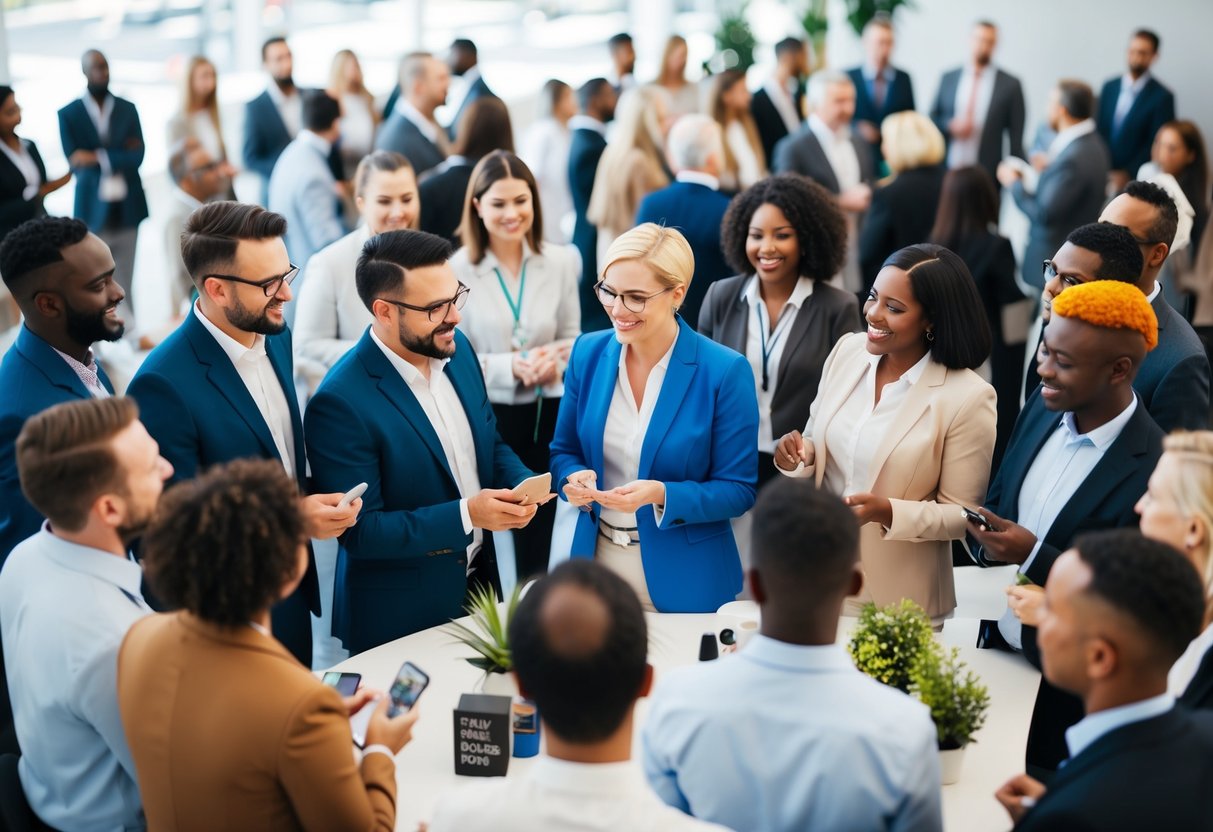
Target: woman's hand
<point>579,488</point>
<point>869,508</point>
<point>791,451</point>
<point>1027,602</point>
<point>524,369</point>
<point>629,498</point>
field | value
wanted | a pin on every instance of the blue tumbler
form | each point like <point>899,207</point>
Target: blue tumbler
<point>526,728</point>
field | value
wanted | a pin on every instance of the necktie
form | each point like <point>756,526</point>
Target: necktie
<point>971,107</point>
<point>878,92</point>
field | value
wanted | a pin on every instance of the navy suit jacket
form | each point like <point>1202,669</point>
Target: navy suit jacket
<point>1199,693</point>
<point>898,96</point>
<point>697,211</point>
<point>585,149</point>
<point>700,443</point>
<point>403,566</point>
<point>123,146</point>
<point>33,377</point>
<point>476,90</point>
<point>1130,145</point>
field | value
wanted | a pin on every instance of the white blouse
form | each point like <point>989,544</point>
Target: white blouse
<point>749,168</point>
<point>545,149</point>
<point>550,310</point>
<point>357,127</point>
<point>760,338</point>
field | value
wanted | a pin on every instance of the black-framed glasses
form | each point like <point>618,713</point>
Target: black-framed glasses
<point>435,311</point>
<point>1050,270</point>
<point>631,302</point>
<point>271,285</point>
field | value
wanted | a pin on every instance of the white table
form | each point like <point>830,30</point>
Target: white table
<point>425,768</point>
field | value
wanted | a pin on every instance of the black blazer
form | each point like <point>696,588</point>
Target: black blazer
<point>585,149</point>
<point>476,90</point>
<point>1130,146</point>
<point>1156,774</point>
<point>827,315</point>
<point>14,207</point>
<point>442,196</point>
<point>771,126</point>
<point>899,96</point>
<point>1005,116</point>
<point>1199,693</point>
<point>901,214</point>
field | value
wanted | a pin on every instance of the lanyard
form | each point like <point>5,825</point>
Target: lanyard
<point>515,305</point>
<point>780,329</point>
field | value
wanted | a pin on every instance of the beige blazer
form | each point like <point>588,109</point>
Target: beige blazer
<point>936,459</point>
<point>229,731</point>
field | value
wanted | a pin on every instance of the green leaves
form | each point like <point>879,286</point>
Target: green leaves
<point>888,640</point>
<point>956,697</point>
<point>488,632</point>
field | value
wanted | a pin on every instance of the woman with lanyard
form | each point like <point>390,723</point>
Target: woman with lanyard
<point>521,316</point>
<point>786,237</point>
<point>655,440</point>
<point>903,428</point>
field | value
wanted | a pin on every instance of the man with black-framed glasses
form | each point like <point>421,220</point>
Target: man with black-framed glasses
<point>221,386</point>
<point>406,411</point>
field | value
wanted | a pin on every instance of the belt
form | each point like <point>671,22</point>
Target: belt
<point>619,535</point>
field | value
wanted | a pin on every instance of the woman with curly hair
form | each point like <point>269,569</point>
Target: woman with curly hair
<point>785,237</point>
<point>903,428</point>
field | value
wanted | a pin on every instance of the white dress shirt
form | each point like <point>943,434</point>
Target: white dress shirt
<point>202,128</point>
<point>357,126</point>
<point>440,401</point>
<point>698,177</point>
<point>626,427</point>
<point>749,168</point>
<point>290,108</point>
<point>64,610</point>
<point>1093,726</point>
<point>550,308</point>
<point>840,152</point>
<point>561,796</point>
<point>855,431</point>
<point>545,149</point>
<point>112,187</point>
<point>428,128</point>
<point>87,373</point>
<point>774,342</point>
<point>791,737</point>
<point>24,163</point>
<point>784,103</point>
<point>1185,667</point>
<point>255,370</point>
<point>963,152</point>
<point>1129,90</point>
<point>584,122</point>
<point>1060,468</point>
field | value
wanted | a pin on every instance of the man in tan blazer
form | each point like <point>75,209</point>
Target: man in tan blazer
<point>227,729</point>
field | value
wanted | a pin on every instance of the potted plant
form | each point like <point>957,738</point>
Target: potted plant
<point>735,42</point>
<point>860,12</point>
<point>816,25</point>
<point>958,703</point>
<point>888,640</point>
<point>488,635</point>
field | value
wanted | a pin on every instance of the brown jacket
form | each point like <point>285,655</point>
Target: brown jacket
<point>229,731</point>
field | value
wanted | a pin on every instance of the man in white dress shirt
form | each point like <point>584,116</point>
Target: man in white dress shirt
<point>787,734</point>
<point>579,643</point>
<point>67,597</point>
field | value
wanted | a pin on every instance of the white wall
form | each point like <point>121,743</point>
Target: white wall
<point>1044,40</point>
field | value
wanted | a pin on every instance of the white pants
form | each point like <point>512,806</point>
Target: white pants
<point>625,562</point>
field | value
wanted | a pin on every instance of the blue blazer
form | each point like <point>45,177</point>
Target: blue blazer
<point>697,211</point>
<point>1130,145</point>
<point>32,377</point>
<point>124,147</point>
<point>403,567</point>
<point>700,443</point>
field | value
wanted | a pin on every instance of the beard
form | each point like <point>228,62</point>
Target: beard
<point>285,84</point>
<point>425,344</point>
<point>241,317</point>
<point>98,90</point>
<point>89,328</point>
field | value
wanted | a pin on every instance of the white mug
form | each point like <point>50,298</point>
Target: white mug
<point>736,624</point>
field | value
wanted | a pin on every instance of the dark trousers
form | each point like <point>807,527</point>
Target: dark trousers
<point>291,623</point>
<point>528,429</point>
<point>766,469</point>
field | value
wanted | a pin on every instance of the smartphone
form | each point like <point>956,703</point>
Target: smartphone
<point>977,519</point>
<point>351,495</point>
<point>410,682</point>
<point>532,489</point>
<point>345,683</point>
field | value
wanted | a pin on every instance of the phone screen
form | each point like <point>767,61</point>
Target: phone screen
<point>345,683</point>
<point>409,684</point>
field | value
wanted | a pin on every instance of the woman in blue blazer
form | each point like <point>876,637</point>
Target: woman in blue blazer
<point>656,434</point>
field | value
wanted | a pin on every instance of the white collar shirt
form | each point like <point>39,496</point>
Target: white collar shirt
<point>26,165</point>
<point>1185,667</point>
<point>64,611</point>
<point>255,370</point>
<point>785,103</point>
<point>762,341</point>
<point>290,108</point>
<point>1068,136</point>
<point>625,430</point>
<point>963,152</point>
<point>1129,90</point>
<point>88,373</point>
<point>442,406</point>
<point>698,177</point>
<point>321,145</point>
<point>1090,728</point>
<point>112,187</point>
<point>428,128</point>
<point>562,796</point>
<point>1063,464</point>
<point>839,150</point>
<point>856,429</point>
<point>584,122</point>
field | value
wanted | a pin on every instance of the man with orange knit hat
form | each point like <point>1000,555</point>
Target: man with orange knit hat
<point>1078,460</point>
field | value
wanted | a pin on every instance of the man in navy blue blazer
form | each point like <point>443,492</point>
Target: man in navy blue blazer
<point>1132,108</point>
<point>464,63</point>
<point>881,89</point>
<point>596,98</point>
<point>406,411</point>
<point>221,386</point>
<point>103,142</point>
<point>693,203</point>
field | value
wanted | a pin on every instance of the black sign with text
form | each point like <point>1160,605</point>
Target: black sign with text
<point>482,735</point>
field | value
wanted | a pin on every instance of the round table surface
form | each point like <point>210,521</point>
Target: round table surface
<point>425,767</point>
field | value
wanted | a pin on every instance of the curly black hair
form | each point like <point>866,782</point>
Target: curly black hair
<point>1119,255</point>
<point>821,228</point>
<point>36,243</point>
<point>223,545</point>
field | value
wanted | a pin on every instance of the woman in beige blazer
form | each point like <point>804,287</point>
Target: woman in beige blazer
<point>903,428</point>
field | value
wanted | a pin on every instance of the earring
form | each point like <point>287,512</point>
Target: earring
<point>930,336</point>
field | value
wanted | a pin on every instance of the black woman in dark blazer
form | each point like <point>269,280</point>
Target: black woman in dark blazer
<point>786,237</point>
<point>21,193</point>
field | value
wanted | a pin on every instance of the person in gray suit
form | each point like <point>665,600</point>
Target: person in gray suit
<point>1071,189</point>
<point>979,108</point>
<point>410,129</point>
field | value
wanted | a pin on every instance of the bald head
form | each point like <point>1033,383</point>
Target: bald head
<point>1150,215</point>
<point>96,71</point>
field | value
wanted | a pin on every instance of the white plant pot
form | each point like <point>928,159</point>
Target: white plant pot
<point>950,763</point>
<point>499,684</point>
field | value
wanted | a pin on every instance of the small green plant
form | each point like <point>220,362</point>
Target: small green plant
<point>955,695</point>
<point>860,12</point>
<point>888,640</point>
<point>489,632</point>
<point>735,41</point>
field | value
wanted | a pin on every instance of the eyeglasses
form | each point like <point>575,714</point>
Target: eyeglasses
<point>271,286</point>
<point>1050,270</point>
<point>435,311</point>
<point>631,302</point>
